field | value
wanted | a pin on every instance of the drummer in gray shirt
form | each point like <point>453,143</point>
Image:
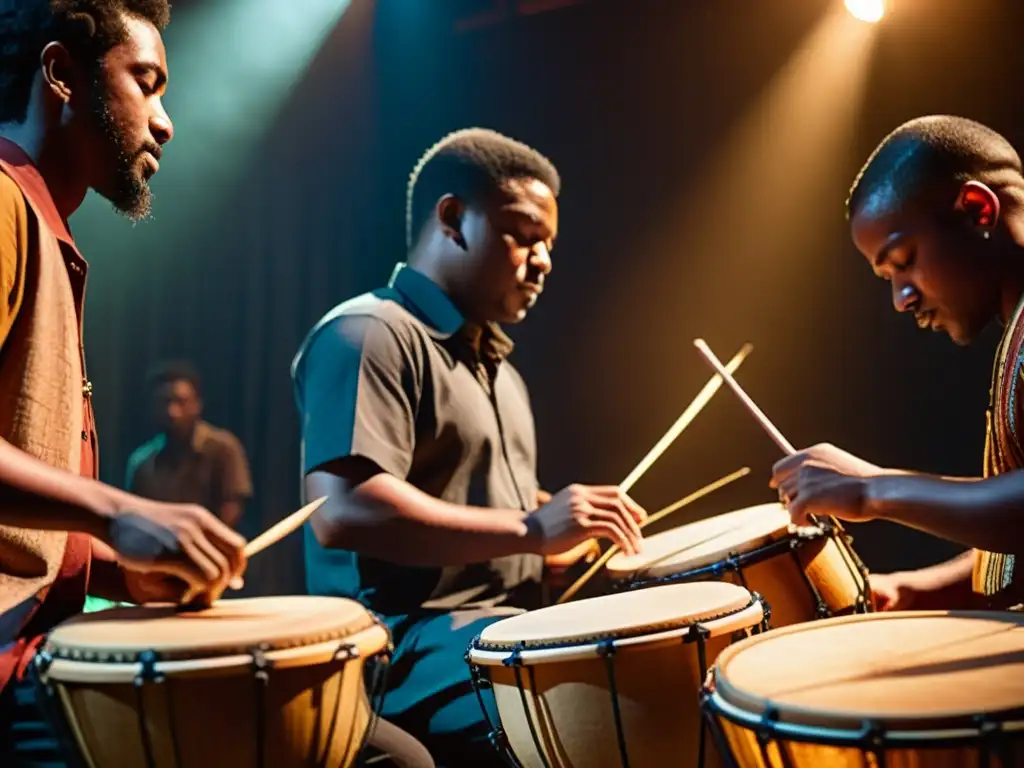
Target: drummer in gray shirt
<point>419,431</point>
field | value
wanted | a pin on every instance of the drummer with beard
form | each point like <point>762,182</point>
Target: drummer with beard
<point>81,89</point>
<point>419,431</point>
<point>938,212</point>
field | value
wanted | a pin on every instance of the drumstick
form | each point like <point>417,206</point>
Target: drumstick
<point>691,412</point>
<point>698,494</point>
<point>757,413</point>
<point>278,531</point>
<point>282,528</point>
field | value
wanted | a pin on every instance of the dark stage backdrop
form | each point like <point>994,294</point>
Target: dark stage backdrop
<point>630,99</point>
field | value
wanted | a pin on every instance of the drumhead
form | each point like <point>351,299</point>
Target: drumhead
<point>704,542</point>
<point>923,667</point>
<point>229,627</point>
<point>661,609</point>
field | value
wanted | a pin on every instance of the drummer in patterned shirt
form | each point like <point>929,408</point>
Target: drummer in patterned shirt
<point>938,211</point>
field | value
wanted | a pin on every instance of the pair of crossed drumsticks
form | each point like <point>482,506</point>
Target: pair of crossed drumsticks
<point>722,373</point>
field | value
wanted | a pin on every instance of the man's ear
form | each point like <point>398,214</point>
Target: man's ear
<point>450,211</point>
<point>57,67</point>
<point>980,204</point>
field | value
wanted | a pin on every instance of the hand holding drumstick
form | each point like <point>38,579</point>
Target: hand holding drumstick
<point>589,549</point>
<point>811,487</point>
<point>824,480</point>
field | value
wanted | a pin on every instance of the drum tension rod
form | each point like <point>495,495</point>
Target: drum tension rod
<point>994,741</point>
<point>481,682</point>
<point>874,738</point>
<point>765,732</point>
<point>147,671</point>
<point>515,662</point>
<point>347,652</point>
<point>606,650</point>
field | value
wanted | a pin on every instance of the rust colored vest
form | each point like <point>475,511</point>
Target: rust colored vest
<point>45,412</point>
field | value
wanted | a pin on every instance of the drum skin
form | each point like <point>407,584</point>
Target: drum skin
<point>824,561</point>
<point>208,708</point>
<point>657,675</point>
<point>917,680</point>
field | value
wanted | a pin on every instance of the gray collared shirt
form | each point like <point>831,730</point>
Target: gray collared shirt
<point>214,470</point>
<point>392,376</point>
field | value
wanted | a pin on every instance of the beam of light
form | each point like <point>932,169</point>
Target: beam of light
<point>752,241</point>
<point>233,65</point>
<point>870,11</point>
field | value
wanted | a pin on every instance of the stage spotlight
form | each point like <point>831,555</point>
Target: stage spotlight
<point>867,10</point>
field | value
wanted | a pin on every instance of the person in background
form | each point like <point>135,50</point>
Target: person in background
<point>189,461</point>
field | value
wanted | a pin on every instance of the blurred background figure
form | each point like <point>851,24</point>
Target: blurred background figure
<point>189,460</point>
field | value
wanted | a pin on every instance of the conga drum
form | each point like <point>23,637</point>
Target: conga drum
<point>612,681</point>
<point>261,682</point>
<point>899,690</point>
<point>802,573</point>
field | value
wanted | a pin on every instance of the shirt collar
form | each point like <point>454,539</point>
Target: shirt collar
<point>431,304</point>
<point>200,434</point>
<point>427,300</point>
<point>33,185</point>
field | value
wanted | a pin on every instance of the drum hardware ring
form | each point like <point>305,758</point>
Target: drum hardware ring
<point>994,742</point>
<point>515,662</point>
<point>496,735</point>
<point>46,696</point>
<point>378,682</point>
<point>874,738</point>
<point>766,610</point>
<point>147,674</point>
<point>261,677</point>
<point>711,723</point>
<point>699,634</point>
<point>768,719</point>
<point>606,650</point>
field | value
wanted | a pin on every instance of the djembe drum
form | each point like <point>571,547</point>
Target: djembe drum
<point>802,573</point>
<point>262,682</point>
<point>899,690</point>
<point>611,681</point>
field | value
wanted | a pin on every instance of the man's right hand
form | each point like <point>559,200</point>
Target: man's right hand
<point>581,512</point>
<point>182,540</point>
<point>824,455</point>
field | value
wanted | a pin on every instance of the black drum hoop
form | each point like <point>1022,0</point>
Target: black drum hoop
<point>696,632</point>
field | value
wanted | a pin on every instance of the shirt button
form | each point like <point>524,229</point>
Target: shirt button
<point>85,435</point>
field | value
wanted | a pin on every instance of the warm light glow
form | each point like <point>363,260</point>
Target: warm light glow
<point>867,10</point>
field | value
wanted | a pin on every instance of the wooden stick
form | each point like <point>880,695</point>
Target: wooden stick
<point>687,416</point>
<point>757,413</point>
<point>600,562</point>
<point>278,531</point>
<point>282,528</point>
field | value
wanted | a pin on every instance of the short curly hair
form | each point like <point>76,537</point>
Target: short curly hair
<point>170,371</point>
<point>88,28</point>
<point>935,154</point>
<point>469,164</point>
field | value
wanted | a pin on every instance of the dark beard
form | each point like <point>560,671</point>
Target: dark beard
<point>129,192</point>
